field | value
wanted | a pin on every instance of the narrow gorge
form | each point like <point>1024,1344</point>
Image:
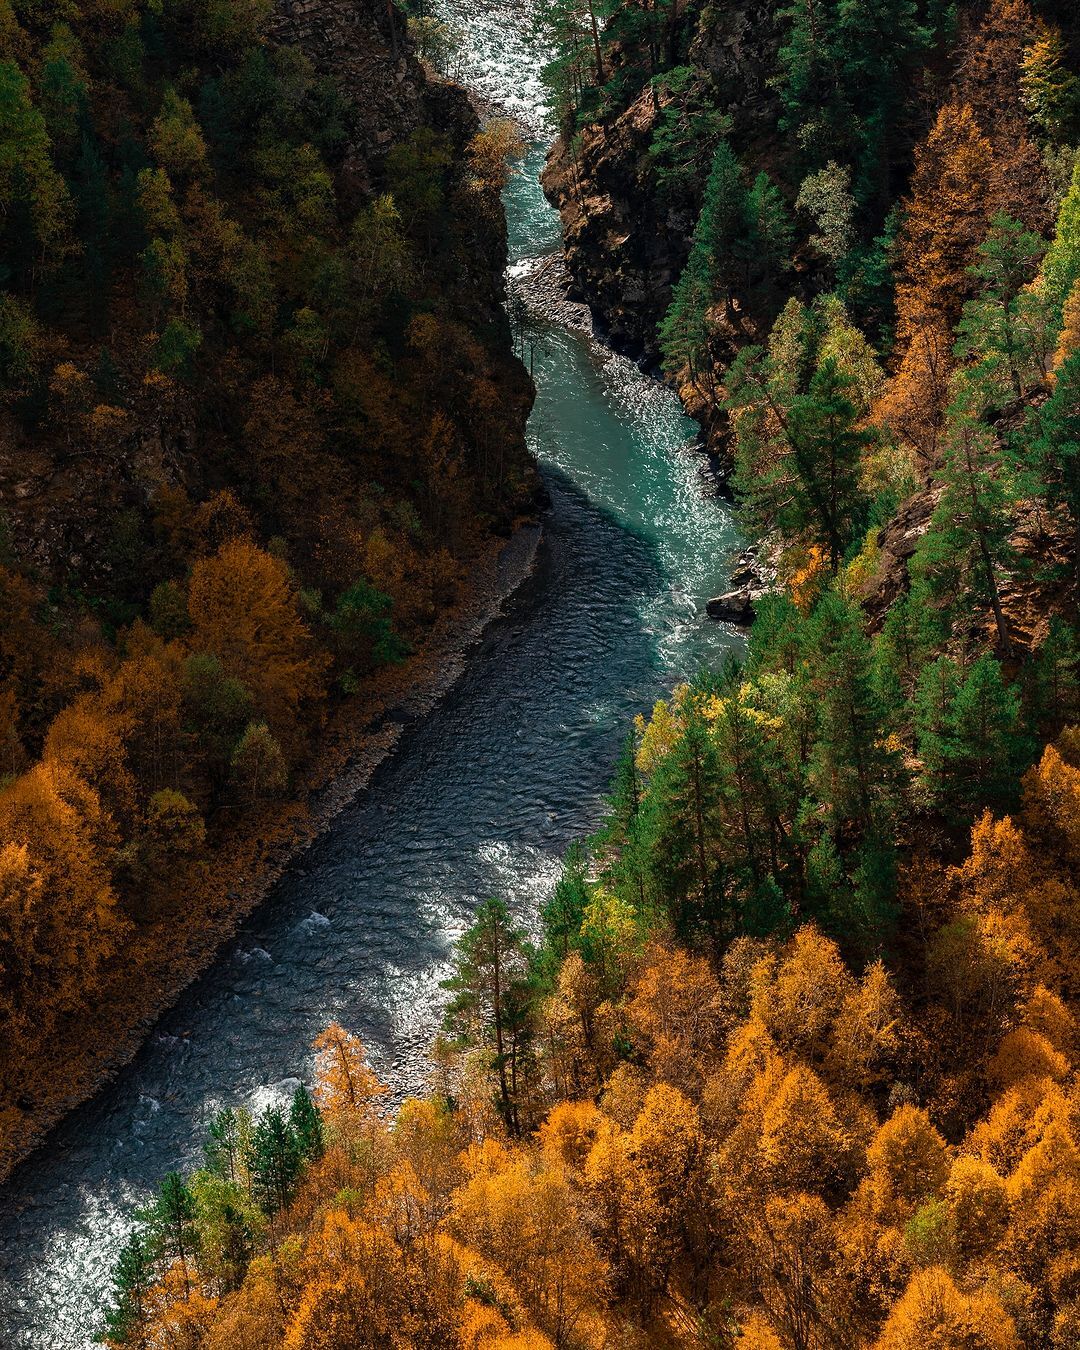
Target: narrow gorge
<point>482,796</point>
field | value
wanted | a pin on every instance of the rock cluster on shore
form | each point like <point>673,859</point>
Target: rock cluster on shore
<point>752,577</point>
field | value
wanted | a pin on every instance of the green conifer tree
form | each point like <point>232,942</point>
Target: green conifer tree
<point>126,1322</point>
<point>489,987</point>
<point>170,1223</point>
<point>274,1161</point>
<point>306,1124</point>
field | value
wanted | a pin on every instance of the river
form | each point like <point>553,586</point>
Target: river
<point>480,799</point>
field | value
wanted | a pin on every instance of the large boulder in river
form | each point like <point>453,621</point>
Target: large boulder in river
<point>734,606</point>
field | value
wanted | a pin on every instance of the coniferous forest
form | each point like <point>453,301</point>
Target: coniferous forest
<point>789,1057</point>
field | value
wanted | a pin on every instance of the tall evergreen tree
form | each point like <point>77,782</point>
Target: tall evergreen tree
<point>491,971</point>
<point>306,1124</point>
<point>1007,331</point>
<point>127,1321</point>
<point>562,912</point>
<point>806,482</point>
<point>986,748</point>
<point>967,547</point>
<point>710,271</point>
<point>170,1222</point>
<point>274,1161</point>
<point>1049,448</point>
<point>681,830</point>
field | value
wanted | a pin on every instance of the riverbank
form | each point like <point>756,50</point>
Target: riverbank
<point>361,735</point>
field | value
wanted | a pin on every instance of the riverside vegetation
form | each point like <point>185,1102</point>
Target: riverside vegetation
<point>793,1061</point>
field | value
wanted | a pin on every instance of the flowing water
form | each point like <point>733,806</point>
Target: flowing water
<point>481,798</point>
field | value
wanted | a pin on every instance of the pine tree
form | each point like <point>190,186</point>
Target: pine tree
<point>688,129</point>
<point>1050,449</point>
<point>230,1133</point>
<point>881,43</point>
<point>851,773</point>
<point>1061,266</point>
<point>681,830</point>
<point>709,274</point>
<point>967,545</point>
<point>769,234</point>
<point>908,637</point>
<point>1052,681</point>
<point>488,988</point>
<point>1008,329</point>
<point>985,749</point>
<point>562,912</point>
<point>933,701</point>
<point>1051,90</point>
<point>618,842</point>
<point>842,75</point>
<point>808,485</point>
<point>684,330</point>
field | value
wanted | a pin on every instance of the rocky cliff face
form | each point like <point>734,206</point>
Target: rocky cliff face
<point>625,250</point>
<point>362,46</point>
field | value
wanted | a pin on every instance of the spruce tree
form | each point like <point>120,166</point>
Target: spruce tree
<point>274,1161</point>
<point>170,1222</point>
<point>306,1124</point>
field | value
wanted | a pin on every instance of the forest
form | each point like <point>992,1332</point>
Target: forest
<point>259,413</point>
<point>789,1062</point>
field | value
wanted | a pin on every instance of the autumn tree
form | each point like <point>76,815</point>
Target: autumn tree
<point>989,79</point>
<point>642,1181</point>
<point>244,610</point>
<point>933,1308</point>
<point>347,1086</point>
<point>945,221</point>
